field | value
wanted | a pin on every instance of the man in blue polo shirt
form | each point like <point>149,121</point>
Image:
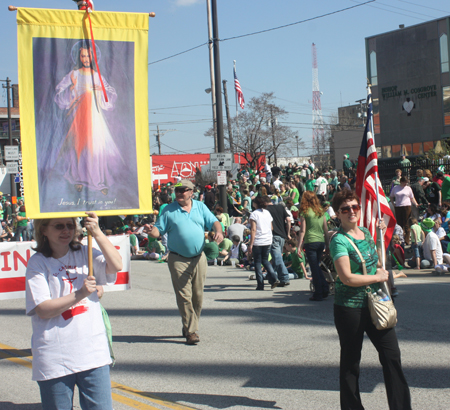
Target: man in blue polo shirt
<point>185,222</point>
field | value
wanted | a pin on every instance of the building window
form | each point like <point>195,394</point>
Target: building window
<point>407,149</point>
<point>446,104</point>
<point>417,148</point>
<point>428,146</point>
<point>376,116</point>
<point>373,68</point>
<point>386,151</point>
<point>443,43</point>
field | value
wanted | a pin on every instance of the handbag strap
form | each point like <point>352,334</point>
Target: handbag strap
<point>359,254</point>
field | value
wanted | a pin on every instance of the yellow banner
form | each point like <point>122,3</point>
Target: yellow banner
<point>84,130</point>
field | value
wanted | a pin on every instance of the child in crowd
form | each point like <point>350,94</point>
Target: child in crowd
<point>296,265</point>
<point>237,253</point>
<point>417,238</point>
<point>211,248</point>
<point>397,250</point>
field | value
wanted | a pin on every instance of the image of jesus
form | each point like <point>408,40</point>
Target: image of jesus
<point>88,154</point>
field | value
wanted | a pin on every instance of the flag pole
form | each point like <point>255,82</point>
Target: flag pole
<point>379,230</point>
<point>237,111</point>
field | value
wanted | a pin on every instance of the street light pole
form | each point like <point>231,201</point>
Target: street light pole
<point>8,98</point>
<point>211,72</point>
<point>219,113</point>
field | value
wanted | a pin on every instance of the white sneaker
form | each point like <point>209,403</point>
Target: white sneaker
<point>445,269</point>
<point>252,277</point>
<point>439,268</point>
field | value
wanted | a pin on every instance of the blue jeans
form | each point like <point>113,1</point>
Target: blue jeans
<point>276,250</point>
<point>94,386</point>
<point>21,230</point>
<point>261,255</point>
<point>314,252</point>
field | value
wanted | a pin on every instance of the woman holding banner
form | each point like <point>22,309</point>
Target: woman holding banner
<point>69,342</point>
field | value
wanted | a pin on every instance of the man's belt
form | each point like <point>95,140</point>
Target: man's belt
<point>187,257</point>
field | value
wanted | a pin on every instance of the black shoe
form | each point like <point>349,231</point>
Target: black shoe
<point>259,288</point>
<point>275,284</point>
<point>314,299</point>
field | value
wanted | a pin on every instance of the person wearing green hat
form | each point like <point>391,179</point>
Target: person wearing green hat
<point>432,249</point>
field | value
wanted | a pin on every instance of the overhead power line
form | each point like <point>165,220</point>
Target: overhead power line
<point>266,30</point>
<point>299,22</point>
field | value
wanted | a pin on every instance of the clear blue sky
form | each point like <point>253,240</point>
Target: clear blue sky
<point>278,61</point>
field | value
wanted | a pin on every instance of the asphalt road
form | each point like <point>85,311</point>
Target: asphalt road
<point>258,350</point>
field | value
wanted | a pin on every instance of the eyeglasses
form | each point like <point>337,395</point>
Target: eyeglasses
<point>181,190</point>
<point>347,209</point>
<point>60,227</point>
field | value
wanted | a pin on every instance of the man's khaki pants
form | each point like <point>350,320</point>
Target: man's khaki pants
<point>188,278</point>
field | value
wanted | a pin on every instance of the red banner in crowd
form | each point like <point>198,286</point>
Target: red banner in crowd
<point>14,257</point>
<point>166,168</point>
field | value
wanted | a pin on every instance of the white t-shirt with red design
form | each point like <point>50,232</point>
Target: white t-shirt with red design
<point>76,340</point>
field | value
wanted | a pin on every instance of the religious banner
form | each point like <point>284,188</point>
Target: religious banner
<point>84,112</point>
<point>14,257</point>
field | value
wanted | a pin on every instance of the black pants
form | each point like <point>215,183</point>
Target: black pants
<point>351,323</point>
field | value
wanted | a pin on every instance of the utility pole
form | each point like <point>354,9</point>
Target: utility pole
<point>219,113</point>
<point>158,140</point>
<point>158,136</point>
<point>8,98</point>
<point>230,133</point>
<point>211,72</point>
<point>296,137</point>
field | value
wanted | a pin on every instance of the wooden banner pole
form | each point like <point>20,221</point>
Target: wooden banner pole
<point>13,8</point>
<point>90,258</point>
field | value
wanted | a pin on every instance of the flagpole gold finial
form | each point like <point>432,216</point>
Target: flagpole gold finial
<point>12,8</point>
<point>152,14</point>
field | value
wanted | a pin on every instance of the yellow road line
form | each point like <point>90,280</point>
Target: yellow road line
<point>132,403</point>
<point>15,358</point>
<point>21,357</point>
<point>157,400</point>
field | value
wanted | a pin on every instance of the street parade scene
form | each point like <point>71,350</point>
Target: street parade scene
<point>162,248</point>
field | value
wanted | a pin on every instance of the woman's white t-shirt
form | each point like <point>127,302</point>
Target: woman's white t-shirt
<point>263,221</point>
<point>76,340</point>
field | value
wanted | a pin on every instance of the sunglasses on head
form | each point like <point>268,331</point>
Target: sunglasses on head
<point>60,227</point>
<point>347,209</point>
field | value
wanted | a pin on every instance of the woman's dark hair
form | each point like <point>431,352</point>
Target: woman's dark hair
<point>218,210</point>
<point>164,198</point>
<point>42,244</point>
<point>22,208</point>
<point>404,179</point>
<point>343,196</point>
<point>434,208</point>
<point>260,202</point>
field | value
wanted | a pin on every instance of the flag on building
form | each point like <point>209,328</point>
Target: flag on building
<point>237,87</point>
<point>366,183</point>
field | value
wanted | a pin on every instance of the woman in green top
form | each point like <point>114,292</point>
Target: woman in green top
<point>351,314</point>
<point>313,235</point>
<point>22,222</point>
<point>293,193</point>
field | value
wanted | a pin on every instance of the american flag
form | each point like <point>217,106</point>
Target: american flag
<point>366,186</point>
<point>237,87</point>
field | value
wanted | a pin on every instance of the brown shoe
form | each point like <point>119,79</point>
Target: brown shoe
<point>192,339</point>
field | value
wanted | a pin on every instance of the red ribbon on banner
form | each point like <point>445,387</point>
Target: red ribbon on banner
<point>88,6</point>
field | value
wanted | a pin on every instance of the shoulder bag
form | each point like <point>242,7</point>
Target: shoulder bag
<point>381,308</point>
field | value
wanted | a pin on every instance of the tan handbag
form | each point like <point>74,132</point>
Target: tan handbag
<point>381,307</point>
